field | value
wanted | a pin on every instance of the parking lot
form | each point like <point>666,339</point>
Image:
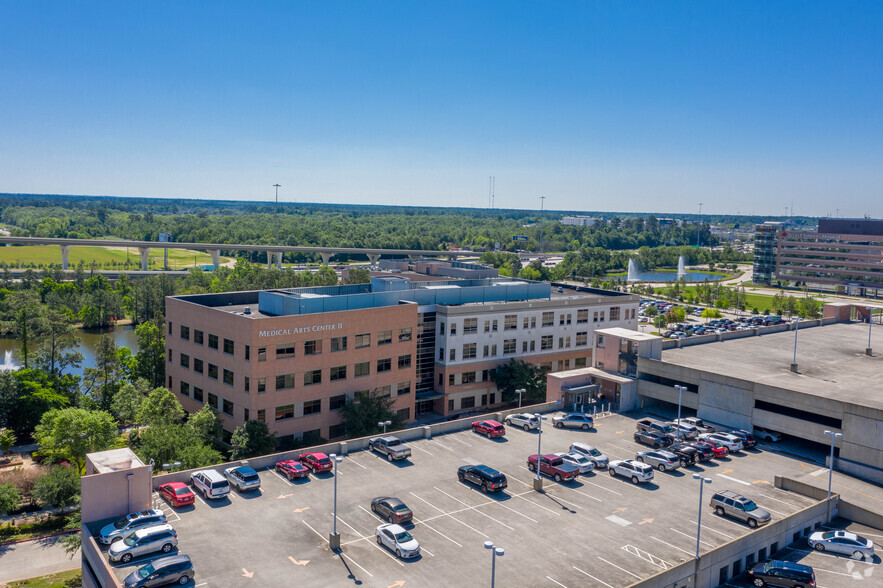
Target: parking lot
<point>595,531</point>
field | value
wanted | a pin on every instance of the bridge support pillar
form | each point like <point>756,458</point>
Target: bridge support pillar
<point>326,257</point>
<point>278,256</point>
<point>453,257</point>
<point>216,257</point>
<point>65,249</point>
<point>269,259</point>
<point>373,258</point>
<point>145,251</point>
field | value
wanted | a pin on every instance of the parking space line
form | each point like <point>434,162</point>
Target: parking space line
<point>427,502</point>
<point>584,494</point>
<point>557,514</point>
<point>647,556</point>
<point>832,571</point>
<point>728,536</point>
<point>321,536</point>
<point>691,537</point>
<point>737,480</point>
<point>781,514</point>
<point>627,451</point>
<point>777,500</point>
<point>556,581</point>
<point>196,494</point>
<point>672,546</point>
<point>808,551</point>
<point>516,512</point>
<point>439,444</point>
<point>448,515</point>
<point>602,487</point>
<point>413,445</point>
<point>862,533</point>
<point>344,556</point>
<point>728,521</point>
<point>416,522</point>
<point>516,479</point>
<point>474,508</point>
<point>453,438</point>
<point>556,497</point>
<point>619,568</point>
<point>424,550</point>
<point>355,462</point>
<point>283,478</point>
<point>592,577</point>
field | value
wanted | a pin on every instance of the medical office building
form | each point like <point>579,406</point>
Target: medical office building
<point>291,358</point>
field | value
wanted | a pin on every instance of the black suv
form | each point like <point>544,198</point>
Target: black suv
<point>749,441</point>
<point>689,455</point>
<point>654,440</point>
<point>489,479</point>
<point>782,573</point>
<point>703,451</point>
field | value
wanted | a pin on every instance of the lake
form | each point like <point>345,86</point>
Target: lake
<point>673,276</point>
<point>123,336</point>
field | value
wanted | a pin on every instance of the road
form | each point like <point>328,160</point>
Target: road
<point>20,561</point>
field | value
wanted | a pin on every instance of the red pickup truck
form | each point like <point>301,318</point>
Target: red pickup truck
<point>553,466</point>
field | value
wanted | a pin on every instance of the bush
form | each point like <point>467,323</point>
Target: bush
<point>9,498</point>
<point>22,479</point>
<point>60,487</point>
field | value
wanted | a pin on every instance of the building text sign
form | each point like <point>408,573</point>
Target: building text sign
<point>300,330</point>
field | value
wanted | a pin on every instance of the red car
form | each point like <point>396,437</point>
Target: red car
<point>176,493</point>
<point>489,428</point>
<point>292,469</point>
<point>719,450</point>
<point>317,461</point>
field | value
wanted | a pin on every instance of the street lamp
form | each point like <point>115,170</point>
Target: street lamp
<point>384,424</point>
<point>170,467</point>
<point>702,482</point>
<point>870,321</point>
<point>538,482</point>
<point>520,391</point>
<point>334,538</point>
<point>833,436</point>
<point>794,361</point>
<point>495,551</point>
<point>276,216</point>
<point>680,390</point>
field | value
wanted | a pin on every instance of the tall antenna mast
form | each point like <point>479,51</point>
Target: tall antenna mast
<point>493,191</point>
<point>489,205</point>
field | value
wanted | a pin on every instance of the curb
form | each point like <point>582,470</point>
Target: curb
<point>40,537</point>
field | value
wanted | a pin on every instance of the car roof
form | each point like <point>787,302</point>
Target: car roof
<point>174,485</point>
<point>153,529</point>
<point>393,528</point>
<point>486,469</point>
<point>318,454</point>
<point>491,422</point>
<point>170,560</point>
<point>582,445</point>
<point>244,470</point>
<point>788,565</point>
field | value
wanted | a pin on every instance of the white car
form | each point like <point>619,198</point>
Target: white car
<point>688,431</point>
<point>767,435</point>
<point>636,471</point>
<point>524,420</point>
<point>397,539</point>
<point>701,425</point>
<point>578,460</point>
<point>599,459</point>
<point>842,542</point>
<point>731,442</point>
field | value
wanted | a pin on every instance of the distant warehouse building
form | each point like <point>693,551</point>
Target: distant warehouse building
<point>579,221</point>
<point>291,358</point>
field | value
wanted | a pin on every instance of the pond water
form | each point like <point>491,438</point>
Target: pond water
<point>673,276</point>
<point>123,337</point>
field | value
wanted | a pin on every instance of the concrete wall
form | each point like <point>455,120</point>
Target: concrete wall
<point>114,494</point>
<point>725,403</point>
<point>97,563</point>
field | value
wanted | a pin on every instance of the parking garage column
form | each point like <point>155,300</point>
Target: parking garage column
<point>326,257</point>
<point>65,249</point>
<point>145,251</point>
<point>216,257</point>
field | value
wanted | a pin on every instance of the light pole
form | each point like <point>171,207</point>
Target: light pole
<point>794,361</point>
<point>538,482</point>
<point>699,520</point>
<point>276,216</point>
<point>384,424</point>
<point>495,551</point>
<point>680,390</point>
<point>833,436</point>
<point>520,391</point>
<point>170,467</point>
<point>870,321</point>
<point>334,538</point>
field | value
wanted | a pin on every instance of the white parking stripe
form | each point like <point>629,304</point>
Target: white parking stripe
<point>419,448</point>
<point>283,478</point>
<point>473,508</point>
<point>862,533</point>
<point>556,581</point>
<point>619,568</point>
<point>781,514</point>
<point>196,494</point>
<point>777,500</point>
<point>557,514</point>
<point>457,439</point>
<point>516,512</point>
<point>627,451</point>
<point>427,502</point>
<point>556,497</point>
<point>352,561</point>
<point>728,536</point>
<point>586,495</point>
<point>691,537</point>
<point>691,553</point>
<point>738,481</point>
<point>592,577</point>
<point>509,477</point>
<point>323,537</point>
<point>439,444</point>
<point>416,522</point>
<point>351,460</point>
<point>449,516</point>
<point>602,487</point>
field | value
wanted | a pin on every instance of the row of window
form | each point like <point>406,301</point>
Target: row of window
<point>510,321</point>
<point>469,402</point>
<point>463,378</point>
<point>547,343</point>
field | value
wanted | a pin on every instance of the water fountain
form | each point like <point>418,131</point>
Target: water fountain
<point>633,271</point>
<point>8,363</point>
<point>681,270</point>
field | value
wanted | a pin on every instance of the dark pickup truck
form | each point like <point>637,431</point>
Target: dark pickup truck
<point>654,426</point>
<point>553,466</point>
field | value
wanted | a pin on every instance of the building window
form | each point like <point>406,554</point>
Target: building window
<point>494,350</point>
<point>486,351</point>
<point>383,391</point>
<point>185,333</point>
<point>467,378</point>
<point>313,347</point>
<point>453,328</point>
<point>247,384</point>
<point>510,322</point>
<point>467,402</point>
<point>170,327</point>
<point>569,318</point>
<point>599,342</point>
<point>404,413</point>
<point>197,365</point>
<point>595,317</point>
<point>197,394</point>
<point>546,342</point>
<point>403,388</point>
<point>362,368</point>
<point>284,381</point>
<point>404,334</point>
<point>582,338</point>
<point>470,326</point>
<point>212,371</point>
<point>525,324</point>
<point>561,320</point>
<point>185,361</point>
<point>262,385</point>
<point>483,400</point>
<point>450,405</point>
<point>404,361</point>
<point>228,377</point>
<point>284,412</point>
<point>565,364</point>
<point>169,355</point>
<point>212,341</point>
<point>582,316</point>
<point>213,400</point>
<point>227,407</point>
<point>441,328</point>
<point>337,431</point>
<point>185,388</point>
<point>485,375</point>
<point>441,380</point>
<point>262,354</point>
<point>284,350</point>
<point>229,346</point>
<point>337,402</point>
<point>546,367</point>
<point>452,355</point>
<point>524,347</point>
<point>384,337</point>
<point>262,415</point>
<point>197,336</point>
<point>533,346</point>
<point>441,353</point>
<point>384,365</point>
<point>451,379</point>
<point>363,340</point>
<point>508,347</point>
<point>563,342</point>
<point>312,407</point>
<point>614,313</point>
<point>548,319</point>
<point>602,316</point>
<point>248,353</point>
<point>338,373</point>
<point>579,362</point>
<point>487,326</point>
<point>338,344</point>
<point>246,415</point>
<point>312,377</point>
<point>470,350</point>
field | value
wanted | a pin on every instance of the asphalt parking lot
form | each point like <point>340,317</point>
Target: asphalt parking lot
<point>595,531</point>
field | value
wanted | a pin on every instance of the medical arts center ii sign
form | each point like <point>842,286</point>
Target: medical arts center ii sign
<point>300,330</point>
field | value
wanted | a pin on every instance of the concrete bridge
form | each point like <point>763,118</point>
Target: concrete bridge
<point>214,249</point>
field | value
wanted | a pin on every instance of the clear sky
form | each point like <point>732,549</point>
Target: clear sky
<point>634,106</point>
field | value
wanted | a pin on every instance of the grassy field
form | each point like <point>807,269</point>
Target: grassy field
<point>68,579</point>
<point>105,257</point>
<point>760,301</point>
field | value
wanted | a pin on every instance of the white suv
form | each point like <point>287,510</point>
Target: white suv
<point>731,442</point>
<point>637,472</point>
<point>525,420</point>
<point>210,483</point>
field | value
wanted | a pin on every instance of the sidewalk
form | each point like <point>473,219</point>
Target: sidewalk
<point>30,559</point>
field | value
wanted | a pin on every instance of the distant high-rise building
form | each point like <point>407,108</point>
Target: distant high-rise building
<point>766,238</point>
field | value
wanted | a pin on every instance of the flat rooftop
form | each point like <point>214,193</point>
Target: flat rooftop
<point>831,361</point>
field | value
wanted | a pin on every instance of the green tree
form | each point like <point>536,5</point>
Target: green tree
<point>59,487</point>
<point>207,425</point>
<point>27,314</point>
<point>651,311</point>
<point>71,433</point>
<point>660,321</point>
<point>357,276</point>
<point>101,382</point>
<point>251,439</point>
<point>25,395</point>
<point>9,497</point>
<point>362,412</point>
<point>57,350</point>
<point>711,313</point>
<point>166,443</point>
<point>676,314</point>
<point>150,360</point>
<point>7,440</point>
<point>127,400</point>
<point>161,407</point>
<point>72,541</point>
<point>518,374</point>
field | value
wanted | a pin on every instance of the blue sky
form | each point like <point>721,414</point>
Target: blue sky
<point>650,106</point>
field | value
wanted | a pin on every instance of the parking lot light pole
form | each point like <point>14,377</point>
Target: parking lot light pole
<point>538,481</point>
<point>794,361</point>
<point>870,322</point>
<point>495,551</point>
<point>521,391</point>
<point>833,436</point>
<point>702,482</point>
<point>680,390</point>
<point>384,424</point>
<point>334,539</point>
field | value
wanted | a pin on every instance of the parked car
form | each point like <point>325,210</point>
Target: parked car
<point>177,493</point>
<point>716,446</point>
<point>392,509</point>
<point>392,447</point>
<point>635,471</point>
<point>574,420</point>
<point>490,428</point>
<point>599,459</point>
<point>842,542</point>
<point>664,461</point>
<point>699,424</point>
<point>525,420</point>
<point>317,462</point>
<point>243,478</point>
<point>704,451</point>
<point>487,478</point>
<point>730,442</point>
<point>578,460</point>
<point>686,430</point>
<point>767,435</point>
<point>144,541</point>
<point>120,528</point>
<point>210,483</point>
<point>687,455</point>
<point>292,469</point>
<point>553,466</point>
<point>739,507</point>
<point>749,441</point>
<point>398,540</point>
<point>173,569</point>
<point>782,573</point>
<point>652,439</point>
<point>652,425</point>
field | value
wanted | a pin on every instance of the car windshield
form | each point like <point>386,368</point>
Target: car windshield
<point>827,535</point>
<point>146,570</point>
<point>181,491</point>
<point>130,540</point>
<point>393,442</point>
<point>121,523</point>
<point>401,508</point>
<point>250,477</point>
<point>325,460</point>
<point>403,537</point>
<point>595,452</point>
<point>749,505</point>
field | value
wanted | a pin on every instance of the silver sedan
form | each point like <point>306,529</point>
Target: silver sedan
<point>661,460</point>
<point>842,542</point>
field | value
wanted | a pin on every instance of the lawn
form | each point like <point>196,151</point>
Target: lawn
<point>760,301</point>
<point>68,579</point>
<point>103,256</point>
